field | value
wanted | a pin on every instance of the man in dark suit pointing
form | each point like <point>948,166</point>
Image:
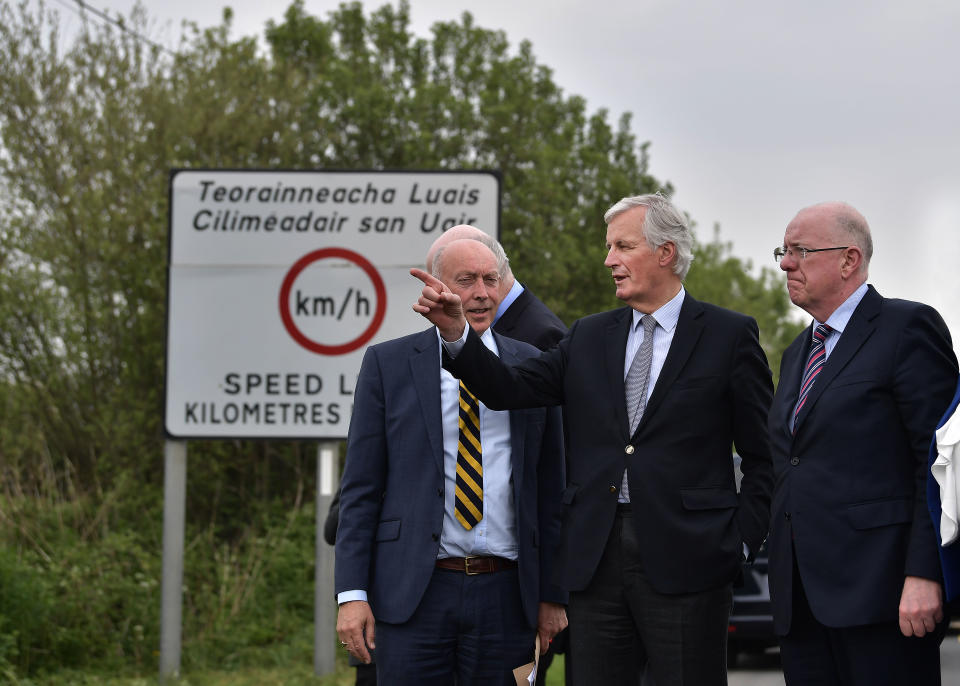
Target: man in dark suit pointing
<point>654,394</point>
<point>854,570</point>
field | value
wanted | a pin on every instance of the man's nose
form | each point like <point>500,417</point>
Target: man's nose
<point>480,292</point>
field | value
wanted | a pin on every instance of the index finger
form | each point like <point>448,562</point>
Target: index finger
<point>428,279</point>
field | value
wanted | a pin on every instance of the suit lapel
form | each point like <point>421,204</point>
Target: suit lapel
<point>860,327</point>
<point>689,329</point>
<point>425,367</point>
<point>615,352</point>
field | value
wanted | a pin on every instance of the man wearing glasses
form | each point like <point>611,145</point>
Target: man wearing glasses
<point>854,570</point>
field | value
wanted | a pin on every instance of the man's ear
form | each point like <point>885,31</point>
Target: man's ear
<point>852,262</point>
<point>667,254</point>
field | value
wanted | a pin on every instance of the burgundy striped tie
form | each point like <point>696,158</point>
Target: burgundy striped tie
<point>818,356</point>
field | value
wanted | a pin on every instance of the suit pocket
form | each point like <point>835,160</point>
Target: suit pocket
<point>852,379</point>
<point>708,498</point>
<point>880,513</point>
<point>694,382</point>
<point>388,530</point>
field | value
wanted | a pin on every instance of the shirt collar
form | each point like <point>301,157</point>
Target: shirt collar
<point>515,290</point>
<point>486,337</point>
<point>668,315</point>
<point>841,316</point>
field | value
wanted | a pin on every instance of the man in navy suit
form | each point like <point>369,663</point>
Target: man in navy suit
<point>654,530</point>
<point>520,314</point>
<point>854,571</point>
<point>442,600</point>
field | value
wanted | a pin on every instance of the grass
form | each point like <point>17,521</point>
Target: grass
<point>289,675</point>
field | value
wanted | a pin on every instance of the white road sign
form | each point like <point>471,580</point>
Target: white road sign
<point>278,280</point>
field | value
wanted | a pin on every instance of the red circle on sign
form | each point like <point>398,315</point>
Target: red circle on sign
<point>303,263</point>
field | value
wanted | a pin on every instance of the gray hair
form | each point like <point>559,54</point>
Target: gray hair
<point>855,226</point>
<point>662,223</point>
<point>503,262</point>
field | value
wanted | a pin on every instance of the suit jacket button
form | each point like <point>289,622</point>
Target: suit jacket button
<point>613,489</point>
<point>794,461</point>
<point>628,450</point>
<point>435,537</point>
<point>440,492</point>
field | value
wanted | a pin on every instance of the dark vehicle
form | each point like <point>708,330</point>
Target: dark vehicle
<point>751,621</point>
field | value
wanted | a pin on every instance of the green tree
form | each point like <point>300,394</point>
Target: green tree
<point>383,98</point>
<point>91,124</point>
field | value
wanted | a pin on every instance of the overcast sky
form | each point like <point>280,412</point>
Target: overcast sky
<point>753,108</point>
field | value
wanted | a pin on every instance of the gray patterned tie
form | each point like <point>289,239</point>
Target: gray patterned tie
<point>635,386</point>
<point>639,375</point>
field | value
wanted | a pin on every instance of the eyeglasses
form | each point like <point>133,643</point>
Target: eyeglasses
<point>780,251</point>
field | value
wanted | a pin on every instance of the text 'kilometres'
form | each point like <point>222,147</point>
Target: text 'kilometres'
<point>279,280</point>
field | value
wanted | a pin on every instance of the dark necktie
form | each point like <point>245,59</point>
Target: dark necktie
<point>468,505</point>
<point>815,362</point>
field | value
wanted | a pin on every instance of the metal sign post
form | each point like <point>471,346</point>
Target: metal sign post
<point>324,603</point>
<point>171,588</point>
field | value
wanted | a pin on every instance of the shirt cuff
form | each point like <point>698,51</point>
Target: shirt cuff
<point>453,348</point>
<point>347,596</point>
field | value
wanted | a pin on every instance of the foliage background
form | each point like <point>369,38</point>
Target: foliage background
<point>90,125</point>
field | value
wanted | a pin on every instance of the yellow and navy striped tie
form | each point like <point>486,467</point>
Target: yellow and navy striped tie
<point>468,507</point>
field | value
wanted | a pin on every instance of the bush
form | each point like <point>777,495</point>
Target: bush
<point>80,586</point>
<point>25,606</point>
<point>68,598</point>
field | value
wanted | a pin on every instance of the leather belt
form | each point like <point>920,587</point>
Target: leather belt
<point>476,565</point>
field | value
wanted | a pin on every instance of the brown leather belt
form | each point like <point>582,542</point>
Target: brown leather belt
<point>476,565</point>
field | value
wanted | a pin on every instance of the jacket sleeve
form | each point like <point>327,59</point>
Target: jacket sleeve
<point>551,478</point>
<point>535,382</point>
<point>364,479</point>
<point>752,395</point>
<point>924,381</point>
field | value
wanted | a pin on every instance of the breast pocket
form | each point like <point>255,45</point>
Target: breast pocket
<point>852,380</point>
<point>694,383</point>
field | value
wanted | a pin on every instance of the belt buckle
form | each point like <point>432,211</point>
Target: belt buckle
<point>466,565</point>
